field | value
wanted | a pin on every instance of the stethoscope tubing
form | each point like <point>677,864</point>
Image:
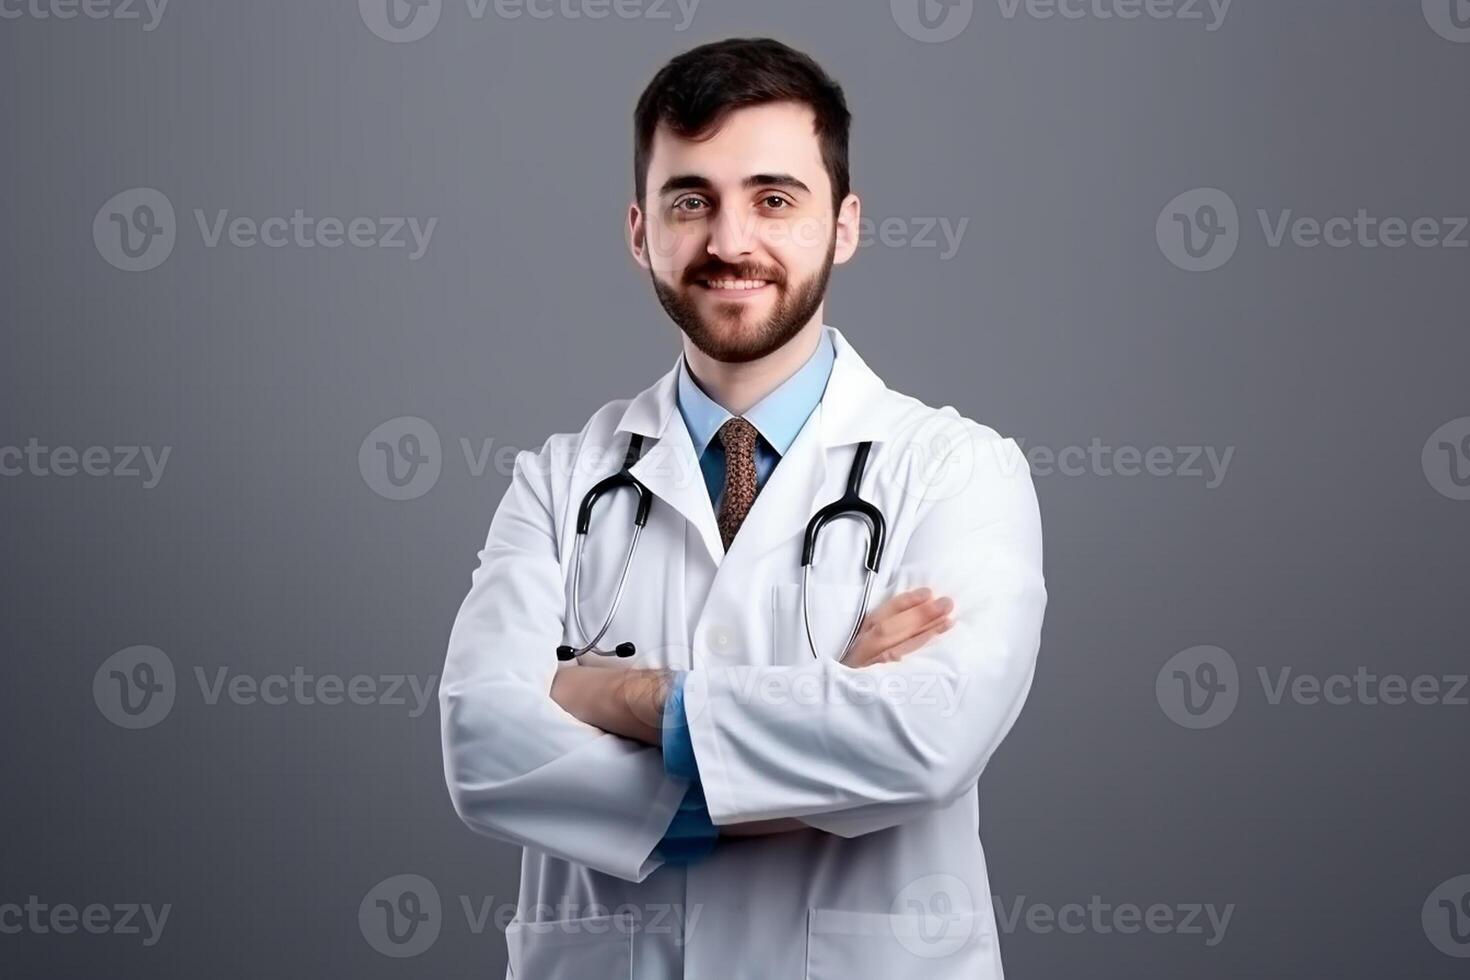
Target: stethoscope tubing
<point>617,593</point>
<point>849,505</point>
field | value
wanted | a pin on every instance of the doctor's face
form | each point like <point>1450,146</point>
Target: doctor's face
<point>738,231</point>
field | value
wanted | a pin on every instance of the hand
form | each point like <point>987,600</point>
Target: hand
<point>627,702</point>
<point>899,626</point>
<point>762,828</point>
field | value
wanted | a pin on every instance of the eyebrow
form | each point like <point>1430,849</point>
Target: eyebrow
<point>686,182</point>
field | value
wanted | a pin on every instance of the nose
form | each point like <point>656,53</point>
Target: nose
<point>730,236</point>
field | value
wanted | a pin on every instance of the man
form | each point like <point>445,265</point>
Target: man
<point>742,797</point>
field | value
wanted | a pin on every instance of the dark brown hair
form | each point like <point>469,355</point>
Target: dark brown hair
<point>694,92</point>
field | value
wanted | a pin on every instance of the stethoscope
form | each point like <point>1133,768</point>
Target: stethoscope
<point>850,505</point>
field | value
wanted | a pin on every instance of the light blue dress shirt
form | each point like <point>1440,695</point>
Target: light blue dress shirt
<point>778,418</point>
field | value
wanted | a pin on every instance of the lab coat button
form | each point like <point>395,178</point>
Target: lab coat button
<point>719,636</point>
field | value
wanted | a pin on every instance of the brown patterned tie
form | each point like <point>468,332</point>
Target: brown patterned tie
<point>738,437</point>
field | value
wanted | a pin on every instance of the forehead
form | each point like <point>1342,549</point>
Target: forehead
<point>775,138</point>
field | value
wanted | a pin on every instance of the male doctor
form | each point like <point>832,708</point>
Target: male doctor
<point>728,802</point>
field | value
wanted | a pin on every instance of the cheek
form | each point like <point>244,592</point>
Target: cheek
<point>671,247</point>
<point>798,245</point>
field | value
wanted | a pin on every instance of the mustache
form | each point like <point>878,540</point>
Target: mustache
<point>728,272</point>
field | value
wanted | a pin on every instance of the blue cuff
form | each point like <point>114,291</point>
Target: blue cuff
<point>679,758</point>
<point>691,835</point>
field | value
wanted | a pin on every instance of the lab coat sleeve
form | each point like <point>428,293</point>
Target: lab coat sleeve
<point>854,750</point>
<point>519,768</point>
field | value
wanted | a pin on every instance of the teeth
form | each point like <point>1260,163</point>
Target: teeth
<point>735,283</point>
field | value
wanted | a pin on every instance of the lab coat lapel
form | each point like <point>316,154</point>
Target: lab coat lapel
<point>853,409</point>
<point>668,467</point>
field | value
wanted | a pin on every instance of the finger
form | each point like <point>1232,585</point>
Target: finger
<point>915,642</point>
<point>894,606</point>
<point>913,620</point>
<point>917,630</point>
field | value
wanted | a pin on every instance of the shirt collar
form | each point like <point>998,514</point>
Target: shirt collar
<point>778,417</point>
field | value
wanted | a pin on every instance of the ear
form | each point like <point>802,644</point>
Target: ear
<point>849,218</point>
<point>637,234</point>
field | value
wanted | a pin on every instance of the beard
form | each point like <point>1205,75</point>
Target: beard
<point>729,338</point>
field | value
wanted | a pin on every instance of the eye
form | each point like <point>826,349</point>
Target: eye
<point>699,203</point>
<point>776,202</point>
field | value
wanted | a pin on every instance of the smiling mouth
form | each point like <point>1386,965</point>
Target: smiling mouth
<point>733,286</point>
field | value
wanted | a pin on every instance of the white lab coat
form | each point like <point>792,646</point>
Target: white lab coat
<point>880,762</point>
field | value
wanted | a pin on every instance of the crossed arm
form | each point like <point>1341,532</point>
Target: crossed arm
<point>632,703</point>
<point>566,761</point>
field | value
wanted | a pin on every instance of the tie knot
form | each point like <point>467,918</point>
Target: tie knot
<point>737,436</point>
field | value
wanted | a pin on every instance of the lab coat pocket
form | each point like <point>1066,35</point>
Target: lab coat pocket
<point>570,949</point>
<point>834,608</point>
<point>862,945</point>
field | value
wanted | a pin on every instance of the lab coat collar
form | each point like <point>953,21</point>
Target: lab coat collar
<point>850,411</point>
<point>778,416</point>
<point>854,408</point>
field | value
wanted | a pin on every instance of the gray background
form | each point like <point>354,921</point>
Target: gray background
<point>265,547</point>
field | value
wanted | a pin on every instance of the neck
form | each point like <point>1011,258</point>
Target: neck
<point>738,387</point>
